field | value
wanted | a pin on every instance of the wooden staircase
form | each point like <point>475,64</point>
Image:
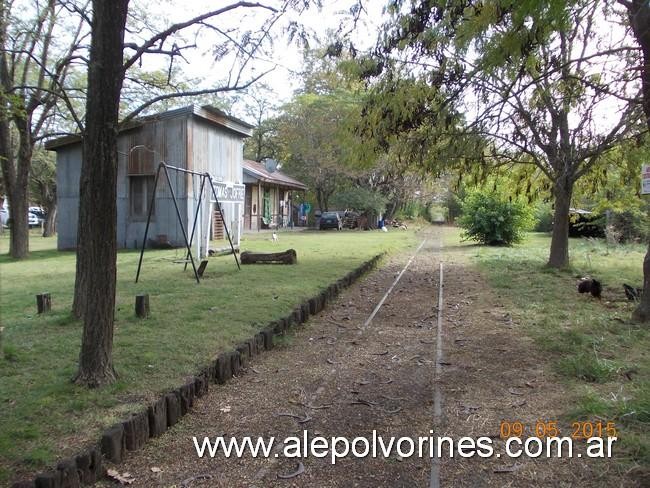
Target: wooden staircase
<point>218,232</point>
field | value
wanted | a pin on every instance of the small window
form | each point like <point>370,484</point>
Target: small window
<point>141,190</point>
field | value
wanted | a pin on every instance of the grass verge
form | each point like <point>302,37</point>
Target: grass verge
<point>44,416</point>
<point>601,356</point>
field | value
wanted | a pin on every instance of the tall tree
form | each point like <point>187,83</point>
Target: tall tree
<point>639,17</point>
<point>258,107</point>
<point>97,244</point>
<point>309,132</point>
<point>533,81</point>
<point>38,47</point>
<point>109,63</point>
<point>312,131</point>
<point>547,109</point>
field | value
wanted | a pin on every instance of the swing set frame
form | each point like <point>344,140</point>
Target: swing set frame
<point>205,177</point>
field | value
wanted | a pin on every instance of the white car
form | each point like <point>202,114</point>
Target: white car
<point>33,220</point>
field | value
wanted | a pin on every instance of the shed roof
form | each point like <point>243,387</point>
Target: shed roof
<point>259,172</point>
<point>211,114</point>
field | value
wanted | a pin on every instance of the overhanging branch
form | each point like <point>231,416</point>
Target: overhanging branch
<point>161,36</point>
<point>195,93</point>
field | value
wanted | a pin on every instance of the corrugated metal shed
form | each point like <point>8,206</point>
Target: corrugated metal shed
<point>199,138</point>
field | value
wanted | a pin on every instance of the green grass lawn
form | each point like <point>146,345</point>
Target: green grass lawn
<point>43,415</point>
<point>591,343</point>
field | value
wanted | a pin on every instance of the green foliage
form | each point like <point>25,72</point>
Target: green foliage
<point>412,211</point>
<point>311,136</point>
<point>494,220</point>
<point>435,213</point>
<point>613,187</point>
<point>543,217</point>
<point>454,204</point>
<point>43,177</point>
<point>631,225</point>
<point>359,199</point>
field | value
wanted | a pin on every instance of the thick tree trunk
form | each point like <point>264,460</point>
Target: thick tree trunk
<point>642,311</point>
<point>97,240</point>
<point>19,229</point>
<point>16,178</point>
<point>639,12</point>
<point>17,190</point>
<point>559,255</point>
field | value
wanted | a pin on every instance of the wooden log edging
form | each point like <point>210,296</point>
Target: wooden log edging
<point>87,467</point>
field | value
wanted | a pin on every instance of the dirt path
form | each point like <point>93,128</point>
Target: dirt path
<point>339,376</point>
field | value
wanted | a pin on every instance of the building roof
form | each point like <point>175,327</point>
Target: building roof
<point>259,172</point>
<point>208,113</point>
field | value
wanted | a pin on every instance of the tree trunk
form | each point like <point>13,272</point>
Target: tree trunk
<point>639,13</point>
<point>17,190</point>
<point>16,178</point>
<point>391,208</point>
<point>19,229</point>
<point>319,200</point>
<point>97,239</point>
<point>559,256</point>
<point>642,311</point>
<point>47,191</point>
<point>49,228</point>
<point>15,168</point>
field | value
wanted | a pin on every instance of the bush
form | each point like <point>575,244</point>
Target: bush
<point>494,220</point>
<point>628,226</point>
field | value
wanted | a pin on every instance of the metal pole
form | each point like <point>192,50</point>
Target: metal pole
<point>259,206</point>
<point>180,220</point>
<point>196,215</point>
<point>146,229</point>
<point>225,227</point>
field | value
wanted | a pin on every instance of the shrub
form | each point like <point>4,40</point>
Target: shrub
<point>628,226</point>
<point>494,220</point>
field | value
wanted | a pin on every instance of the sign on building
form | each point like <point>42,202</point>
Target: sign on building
<point>228,192</point>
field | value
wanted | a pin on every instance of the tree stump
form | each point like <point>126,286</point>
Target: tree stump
<point>287,257</point>
<point>142,306</point>
<point>43,302</point>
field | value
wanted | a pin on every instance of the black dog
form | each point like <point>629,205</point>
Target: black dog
<point>632,294</point>
<point>590,286</point>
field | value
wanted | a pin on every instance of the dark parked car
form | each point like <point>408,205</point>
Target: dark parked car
<point>330,220</point>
